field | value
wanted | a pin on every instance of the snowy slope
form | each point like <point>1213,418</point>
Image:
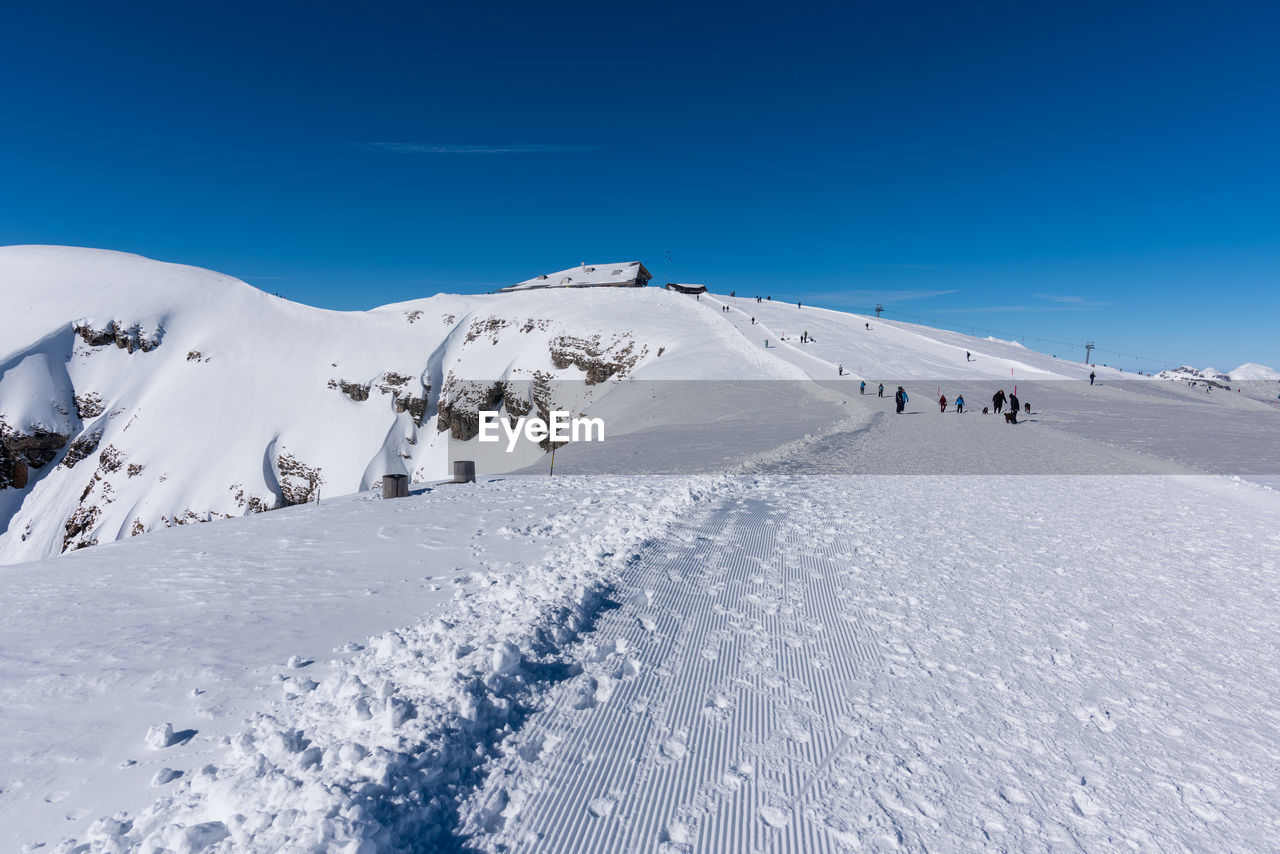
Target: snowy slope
<point>760,661</point>
<point>573,664</point>
<point>894,350</point>
<point>140,394</point>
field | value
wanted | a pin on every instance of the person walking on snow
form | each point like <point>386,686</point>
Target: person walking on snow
<point>900,398</point>
<point>862,387</point>
<point>942,403</point>
<point>881,390</point>
<point>967,357</point>
<point>840,370</point>
<point>1092,377</point>
<point>960,403</point>
<point>997,401</point>
<point>1014,405</point>
<point>868,325</point>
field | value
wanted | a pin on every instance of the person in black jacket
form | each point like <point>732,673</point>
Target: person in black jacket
<point>900,398</point>
<point>997,401</point>
<point>1014,405</point>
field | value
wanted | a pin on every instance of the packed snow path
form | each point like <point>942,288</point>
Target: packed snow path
<point>824,663</point>
<point>721,650</point>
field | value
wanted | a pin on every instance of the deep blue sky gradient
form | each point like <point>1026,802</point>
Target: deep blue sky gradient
<point>1059,172</point>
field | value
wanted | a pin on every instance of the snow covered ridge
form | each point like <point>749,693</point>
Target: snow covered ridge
<point>622,274</point>
<point>1252,372</point>
<point>137,394</point>
<point>1208,377</point>
<point>1249,372</point>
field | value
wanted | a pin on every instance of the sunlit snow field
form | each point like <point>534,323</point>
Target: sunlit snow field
<point>807,623</point>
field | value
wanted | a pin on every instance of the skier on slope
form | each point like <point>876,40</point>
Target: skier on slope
<point>997,401</point>
<point>960,403</point>
<point>942,403</point>
<point>900,398</point>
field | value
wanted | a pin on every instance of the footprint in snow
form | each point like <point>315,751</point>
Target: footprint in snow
<point>54,797</point>
<point>673,750</point>
<point>1084,803</point>
<point>600,807</point>
<point>1013,795</point>
<point>774,816</point>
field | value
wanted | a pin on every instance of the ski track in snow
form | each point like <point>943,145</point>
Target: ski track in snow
<point>805,667</point>
<point>727,696</point>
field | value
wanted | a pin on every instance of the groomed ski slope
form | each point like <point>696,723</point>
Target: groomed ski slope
<point>758,662</point>
<point>836,664</point>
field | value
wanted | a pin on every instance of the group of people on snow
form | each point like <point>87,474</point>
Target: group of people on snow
<point>998,401</point>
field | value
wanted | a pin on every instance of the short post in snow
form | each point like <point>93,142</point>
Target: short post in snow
<point>464,471</point>
<point>395,485</point>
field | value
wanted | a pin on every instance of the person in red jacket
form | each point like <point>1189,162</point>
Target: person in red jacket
<point>942,403</point>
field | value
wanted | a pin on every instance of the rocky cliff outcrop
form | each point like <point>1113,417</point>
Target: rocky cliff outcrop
<point>20,452</point>
<point>125,336</point>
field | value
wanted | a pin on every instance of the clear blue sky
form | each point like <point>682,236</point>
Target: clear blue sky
<point>1060,171</point>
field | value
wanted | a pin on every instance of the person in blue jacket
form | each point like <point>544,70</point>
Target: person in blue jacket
<point>862,387</point>
<point>960,403</point>
<point>900,398</point>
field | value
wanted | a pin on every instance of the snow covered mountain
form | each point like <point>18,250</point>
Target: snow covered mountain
<point>1251,372</point>
<point>1248,372</point>
<point>1209,376</point>
<point>137,394</point>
